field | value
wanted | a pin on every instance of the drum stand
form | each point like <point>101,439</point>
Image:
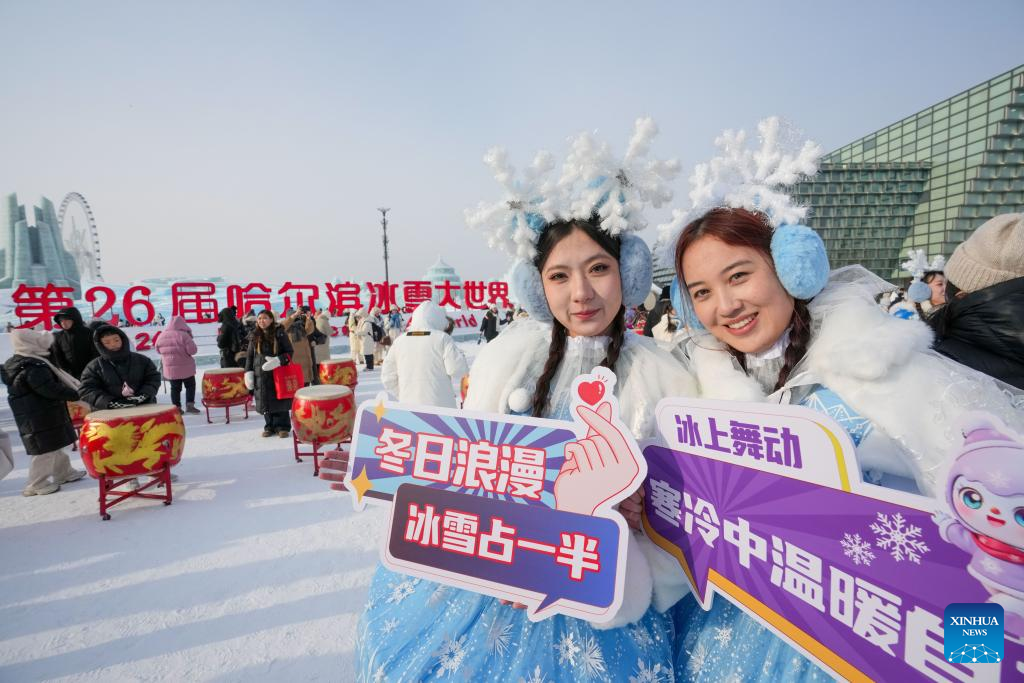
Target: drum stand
<point>316,453</point>
<point>227,405</point>
<point>111,492</point>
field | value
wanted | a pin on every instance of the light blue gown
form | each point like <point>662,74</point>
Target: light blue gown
<point>417,630</point>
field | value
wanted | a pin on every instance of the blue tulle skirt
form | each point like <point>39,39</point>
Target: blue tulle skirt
<point>416,630</point>
<point>724,644</point>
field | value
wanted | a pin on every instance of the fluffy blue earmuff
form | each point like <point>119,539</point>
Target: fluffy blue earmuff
<point>801,264</point>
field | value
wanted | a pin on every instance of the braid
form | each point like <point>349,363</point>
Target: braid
<point>799,338</point>
<point>618,335</point>
<point>556,351</point>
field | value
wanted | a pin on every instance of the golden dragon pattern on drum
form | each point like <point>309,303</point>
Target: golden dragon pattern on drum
<point>127,444</point>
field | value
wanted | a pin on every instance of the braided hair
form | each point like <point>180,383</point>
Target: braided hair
<point>553,234</point>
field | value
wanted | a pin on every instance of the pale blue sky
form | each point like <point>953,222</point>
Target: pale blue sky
<point>255,140</point>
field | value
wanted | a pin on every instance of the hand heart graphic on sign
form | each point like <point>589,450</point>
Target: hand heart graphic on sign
<point>591,392</point>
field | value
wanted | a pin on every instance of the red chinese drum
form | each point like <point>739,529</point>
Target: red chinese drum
<point>323,414</point>
<point>339,371</point>
<point>223,386</point>
<point>132,441</point>
<point>78,410</point>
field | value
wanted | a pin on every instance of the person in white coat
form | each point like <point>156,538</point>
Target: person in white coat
<point>423,362</point>
<point>364,335</point>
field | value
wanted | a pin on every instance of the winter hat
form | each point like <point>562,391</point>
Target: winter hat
<point>993,254</point>
<point>31,342</point>
<point>991,454</point>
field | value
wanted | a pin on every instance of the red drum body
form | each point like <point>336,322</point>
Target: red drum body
<point>223,386</point>
<point>339,372</point>
<point>132,441</point>
<point>323,414</point>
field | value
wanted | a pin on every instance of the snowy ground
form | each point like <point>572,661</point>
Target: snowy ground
<point>258,571</point>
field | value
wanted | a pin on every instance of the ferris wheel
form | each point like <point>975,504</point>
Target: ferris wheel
<point>81,241</point>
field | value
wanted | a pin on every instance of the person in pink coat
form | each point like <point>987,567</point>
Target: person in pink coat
<point>177,350</point>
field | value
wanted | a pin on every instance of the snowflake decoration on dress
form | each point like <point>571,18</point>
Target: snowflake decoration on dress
<point>451,654</point>
<point>401,591</point>
<point>642,637</point>
<point>647,673</point>
<point>567,649</point>
<point>903,541</point>
<point>389,626</point>
<point>379,675</point>
<point>617,189</point>
<point>535,677</point>
<point>591,660</point>
<point>723,636</point>
<point>745,178</point>
<point>857,549</point>
<point>499,635</point>
<point>514,222</point>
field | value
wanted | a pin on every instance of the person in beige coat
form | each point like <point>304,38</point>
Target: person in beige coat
<point>299,327</point>
<point>323,326</point>
<point>364,333</point>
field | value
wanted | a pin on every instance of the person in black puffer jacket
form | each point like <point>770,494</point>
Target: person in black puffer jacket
<point>269,348</point>
<point>229,337</point>
<point>38,393</point>
<point>982,323</point>
<point>72,344</point>
<point>120,377</point>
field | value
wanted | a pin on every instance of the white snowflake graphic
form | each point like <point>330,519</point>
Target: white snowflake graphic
<point>767,666</point>
<point>591,659</point>
<point>567,649</point>
<point>902,540</point>
<point>698,658</point>
<point>991,566</point>
<point>451,654</point>
<point>401,591</point>
<point>647,674</point>
<point>499,637</point>
<point>389,626</point>
<point>536,677</point>
<point>857,549</point>
<point>378,675</point>
<point>723,636</point>
<point>642,637</point>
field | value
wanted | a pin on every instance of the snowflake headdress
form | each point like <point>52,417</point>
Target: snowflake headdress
<point>917,265</point>
<point>756,179</point>
<point>593,182</point>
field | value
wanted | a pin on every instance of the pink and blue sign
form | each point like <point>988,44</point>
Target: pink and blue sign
<point>515,507</point>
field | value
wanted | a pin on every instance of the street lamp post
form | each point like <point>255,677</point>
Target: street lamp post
<point>384,223</point>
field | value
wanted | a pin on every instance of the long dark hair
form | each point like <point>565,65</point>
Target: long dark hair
<point>552,235</point>
<point>266,338</point>
<point>742,228</point>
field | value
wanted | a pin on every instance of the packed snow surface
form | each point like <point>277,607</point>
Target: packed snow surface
<point>257,571</point>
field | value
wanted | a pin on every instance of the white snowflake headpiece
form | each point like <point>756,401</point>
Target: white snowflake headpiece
<point>747,178</point>
<point>593,182</point>
<point>917,265</point>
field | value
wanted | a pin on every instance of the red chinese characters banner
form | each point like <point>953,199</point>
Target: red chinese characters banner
<point>199,302</point>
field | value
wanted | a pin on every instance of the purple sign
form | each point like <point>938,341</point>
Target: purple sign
<point>513,551</point>
<point>856,576</point>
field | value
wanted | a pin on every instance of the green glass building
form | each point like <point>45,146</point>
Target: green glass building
<point>926,181</point>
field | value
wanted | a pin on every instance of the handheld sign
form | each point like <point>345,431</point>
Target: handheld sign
<point>515,507</point>
<point>764,505</point>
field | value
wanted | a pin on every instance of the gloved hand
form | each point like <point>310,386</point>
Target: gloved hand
<point>117,405</point>
<point>271,364</point>
<point>137,399</point>
<point>250,380</point>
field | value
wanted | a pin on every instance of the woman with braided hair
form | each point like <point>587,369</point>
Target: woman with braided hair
<point>421,632</point>
<point>761,334</point>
